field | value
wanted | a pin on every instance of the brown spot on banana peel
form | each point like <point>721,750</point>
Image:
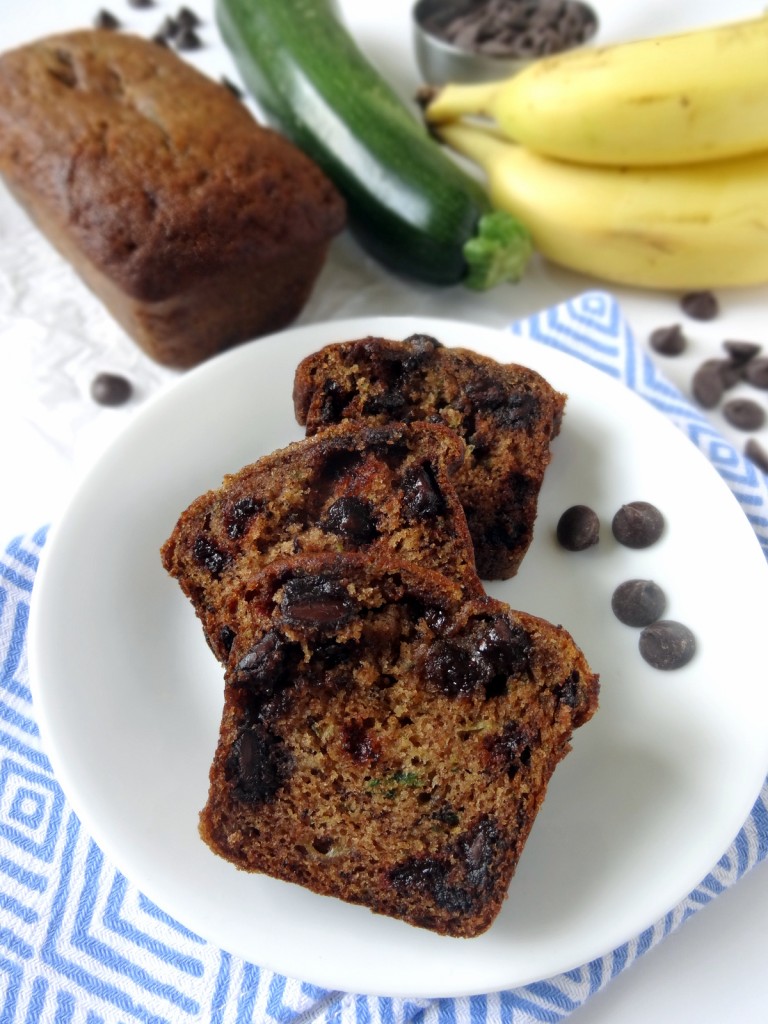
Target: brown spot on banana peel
<point>648,99</point>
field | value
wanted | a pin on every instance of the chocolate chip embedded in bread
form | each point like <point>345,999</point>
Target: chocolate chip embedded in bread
<point>316,602</point>
<point>351,517</point>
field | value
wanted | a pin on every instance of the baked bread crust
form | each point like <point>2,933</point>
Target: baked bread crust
<point>507,415</point>
<point>350,488</point>
<point>197,227</point>
<point>388,741</point>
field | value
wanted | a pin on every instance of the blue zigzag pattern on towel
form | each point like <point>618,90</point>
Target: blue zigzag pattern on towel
<point>79,944</point>
<point>591,328</point>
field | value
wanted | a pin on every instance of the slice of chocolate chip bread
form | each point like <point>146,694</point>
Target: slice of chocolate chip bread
<point>506,413</point>
<point>352,488</point>
<point>388,741</point>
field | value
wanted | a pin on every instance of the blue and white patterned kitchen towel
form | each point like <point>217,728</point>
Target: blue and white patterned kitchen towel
<point>79,944</point>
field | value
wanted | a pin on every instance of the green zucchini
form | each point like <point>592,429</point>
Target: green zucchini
<point>409,204</point>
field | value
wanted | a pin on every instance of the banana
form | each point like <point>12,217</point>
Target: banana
<point>684,98</point>
<point>684,227</point>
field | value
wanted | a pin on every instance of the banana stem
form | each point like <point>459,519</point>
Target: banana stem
<point>478,144</point>
<point>453,101</point>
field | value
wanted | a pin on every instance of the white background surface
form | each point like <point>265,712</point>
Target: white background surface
<point>54,337</point>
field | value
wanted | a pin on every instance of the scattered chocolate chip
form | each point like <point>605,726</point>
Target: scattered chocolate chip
<point>110,389</point>
<point>667,644</point>
<point>107,20</point>
<point>638,602</point>
<point>708,384</point>
<point>578,528</point>
<point>316,601</point>
<point>744,414</point>
<point>741,352</point>
<point>700,305</point>
<point>168,29</point>
<point>755,452</point>
<point>352,518</point>
<point>668,341</point>
<point>637,524</point>
<point>141,3</point>
<point>756,372</point>
<point>187,39</point>
<point>186,18</point>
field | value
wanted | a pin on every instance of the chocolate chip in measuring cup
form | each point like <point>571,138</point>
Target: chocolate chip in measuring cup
<point>638,602</point>
<point>638,524</point>
<point>667,644</point>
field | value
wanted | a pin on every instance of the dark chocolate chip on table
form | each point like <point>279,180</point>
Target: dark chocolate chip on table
<point>578,528</point>
<point>744,414</point>
<point>110,389</point>
<point>755,452</point>
<point>708,384</point>
<point>756,372</point>
<point>741,352</point>
<point>638,602</point>
<point>141,3</point>
<point>667,644</point>
<point>668,341</point>
<point>700,305</point>
<point>187,39</point>
<point>638,524</point>
<point>186,18</point>
<point>106,19</point>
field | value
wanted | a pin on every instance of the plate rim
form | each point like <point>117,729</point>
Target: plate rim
<point>220,365</point>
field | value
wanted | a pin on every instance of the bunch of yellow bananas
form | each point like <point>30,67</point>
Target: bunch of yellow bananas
<point>644,163</point>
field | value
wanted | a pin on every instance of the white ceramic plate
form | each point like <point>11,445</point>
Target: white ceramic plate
<point>128,695</point>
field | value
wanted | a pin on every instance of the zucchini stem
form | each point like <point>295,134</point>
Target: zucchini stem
<point>499,251</point>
